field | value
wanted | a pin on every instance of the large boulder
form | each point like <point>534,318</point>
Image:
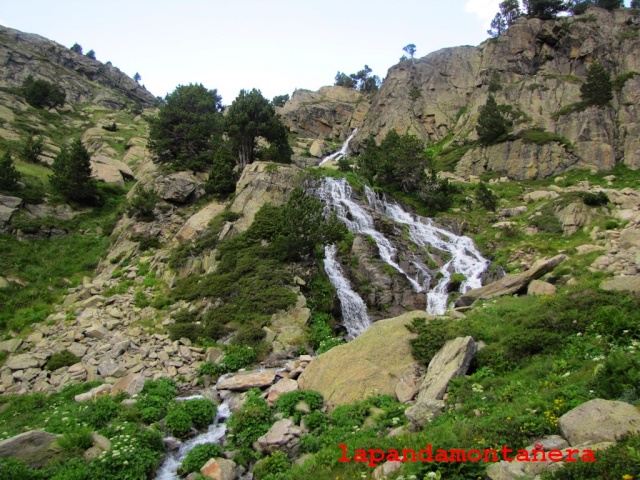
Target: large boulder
<point>35,447</point>
<point>259,184</point>
<point>451,361</point>
<point>283,435</point>
<point>599,421</point>
<point>510,284</point>
<point>198,222</point>
<point>178,187</point>
<point>372,364</point>
<point>242,382</point>
<point>219,469</point>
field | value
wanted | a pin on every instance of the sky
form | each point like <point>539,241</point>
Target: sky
<point>276,46</point>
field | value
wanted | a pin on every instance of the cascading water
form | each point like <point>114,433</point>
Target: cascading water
<point>465,258</point>
<point>340,153</point>
<point>215,433</point>
<point>354,310</point>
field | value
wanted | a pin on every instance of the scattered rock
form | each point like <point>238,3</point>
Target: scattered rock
<point>93,393</point>
<point>510,284</point>
<point>422,413</point>
<point>23,361</point>
<point>622,283</point>
<point>283,386</point>
<point>538,287</point>
<point>35,447</point>
<point>599,421</point>
<point>283,435</point>
<point>131,384</point>
<point>10,346</point>
<point>219,469</point>
<point>245,381</point>
<point>540,195</point>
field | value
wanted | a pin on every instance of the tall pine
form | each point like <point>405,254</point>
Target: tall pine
<point>491,123</point>
<point>597,90</point>
<point>72,174</point>
<point>9,176</point>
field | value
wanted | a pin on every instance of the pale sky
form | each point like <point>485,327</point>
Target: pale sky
<point>275,46</point>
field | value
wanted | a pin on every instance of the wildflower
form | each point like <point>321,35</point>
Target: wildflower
<point>627,477</point>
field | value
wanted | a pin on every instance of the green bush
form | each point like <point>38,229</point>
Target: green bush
<point>40,93</point>
<point>178,422</point>
<point>287,403</point>
<point>14,469</point>
<point>250,422</point>
<point>100,412</point>
<point>237,357</point>
<point>201,411</point>
<point>274,464</point>
<point>198,456</point>
<point>595,199</point>
<point>618,378</point>
<point>542,137</point>
<point>142,203</point>
<point>9,176</point>
<point>76,440</point>
<point>185,330</point>
<point>31,149</point>
<point>61,359</point>
<point>431,337</point>
<point>485,197</point>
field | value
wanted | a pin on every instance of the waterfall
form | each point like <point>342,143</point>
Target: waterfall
<point>215,433</point>
<point>340,153</point>
<point>465,258</point>
<point>354,310</point>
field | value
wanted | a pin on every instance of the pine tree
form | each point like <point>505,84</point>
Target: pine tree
<point>491,123</point>
<point>71,176</point>
<point>597,90</point>
<point>222,178</point>
<point>9,176</point>
<point>77,48</point>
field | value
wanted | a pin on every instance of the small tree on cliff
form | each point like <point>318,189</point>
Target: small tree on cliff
<point>9,176</point>
<point>77,48</point>
<point>72,174</point>
<point>544,9</point>
<point>491,123</point>
<point>410,49</point>
<point>610,4</point>
<point>597,90</point>
<point>251,116</point>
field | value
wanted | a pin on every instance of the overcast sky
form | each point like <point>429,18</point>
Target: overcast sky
<point>276,45</point>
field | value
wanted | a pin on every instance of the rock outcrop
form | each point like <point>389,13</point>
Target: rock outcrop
<point>35,447</point>
<point>83,79</point>
<point>510,284</point>
<point>375,363</point>
<point>535,68</point>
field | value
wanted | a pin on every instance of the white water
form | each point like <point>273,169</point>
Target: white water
<point>340,153</point>
<point>465,258</point>
<point>169,468</point>
<point>354,310</point>
<point>337,194</point>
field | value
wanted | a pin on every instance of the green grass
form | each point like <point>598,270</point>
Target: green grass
<point>48,267</point>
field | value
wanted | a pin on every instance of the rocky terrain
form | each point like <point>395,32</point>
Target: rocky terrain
<point>528,347</point>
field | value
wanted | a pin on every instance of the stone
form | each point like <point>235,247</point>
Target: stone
<point>103,443</point>
<point>540,195</point>
<point>111,368</point>
<point>631,284</point>
<point>10,346</point>
<point>77,349</point>
<point>199,221</point>
<point>103,389</point>
<point>219,469</point>
<point>23,361</point>
<point>538,287</point>
<point>177,187</point>
<point>107,173</point>
<point>510,284</point>
<point>242,382</point>
<point>96,331</point>
<point>573,217</point>
<point>283,435</point>
<point>285,385</point>
<point>316,149</point>
<point>587,249</point>
<point>371,364</point>
<point>452,360</point>
<point>131,384</point>
<point>387,468</point>
<point>35,447</point>
<point>423,412</point>
<point>599,420</point>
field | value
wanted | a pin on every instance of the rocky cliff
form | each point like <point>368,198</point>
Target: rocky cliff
<point>82,78</point>
<point>534,70</point>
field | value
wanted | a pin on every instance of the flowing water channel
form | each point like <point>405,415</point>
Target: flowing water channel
<point>461,255</point>
<point>215,434</point>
